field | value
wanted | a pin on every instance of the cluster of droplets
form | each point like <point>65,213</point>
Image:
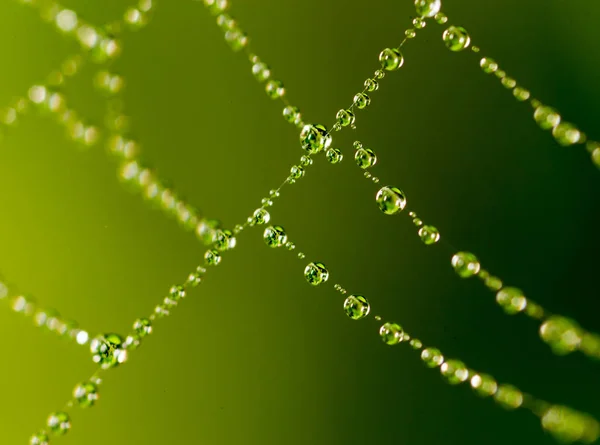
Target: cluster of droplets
<point>566,134</point>
<point>562,334</point>
<point>47,319</point>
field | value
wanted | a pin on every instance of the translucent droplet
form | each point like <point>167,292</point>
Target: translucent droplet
<point>432,357</point>
<point>562,334</point>
<point>391,200</point>
<point>456,38</point>
<point>441,18</point>
<point>361,100</point>
<point>316,273</point>
<point>224,240</point>
<point>216,6</point>
<point>596,156</point>
<point>521,94</point>
<point>356,307</point>
<point>292,114</point>
<point>274,89</point>
<point>371,85</point>
<point>290,246</point>
<point>488,65</point>
<point>86,394</point>
<point>315,138</point>
<point>275,236</point>
<point>379,75</point>
<point>546,117</point>
<point>261,216</point>
<point>415,343</point>
<point>512,300</point>
<point>334,155</point>
<point>493,283</point>
<point>345,117</point>
<point>568,425</point>
<point>212,257</point>
<point>428,8</point>
<point>365,158</point>
<point>391,333</point>
<point>508,82</point>
<point>419,23</point>
<point>301,255</point>
<point>206,230</point>
<point>296,172</point>
<point>266,202</point>
<point>305,161</point>
<point>429,235</point>
<point>132,342</point>
<point>455,371</point>
<point>484,385</point>
<point>40,438</point>
<point>410,33</point>
<point>508,397</point>
<point>59,423</point>
<point>261,71</point>
<point>142,327</point>
<point>567,134</point>
<point>107,350</point>
<point>390,59</point>
<point>465,264</point>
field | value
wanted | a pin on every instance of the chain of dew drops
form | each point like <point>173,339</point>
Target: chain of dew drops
<point>110,350</point>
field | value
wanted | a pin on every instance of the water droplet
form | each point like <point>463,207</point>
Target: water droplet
<point>508,397</point>
<point>290,246</point>
<point>356,307</point>
<point>562,334</point>
<point>546,117</point>
<point>428,8</point>
<point>455,371</point>
<point>292,114</point>
<point>86,394</point>
<point>441,18</point>
<point>521,94</point>
<point>275,89</point>
<point>261,216</point>
<point>415,343</point>
<point>568,425</point>
<point>391,333</point>
<point>142,326</point>
<point>365,158</point>
<point>596,156</point>
<point>512,300</point>
<point>345,117</point>
<point>206,229</point>
<point>261,71</point>
<point>301,255</point>
<point>493,283</point>
<point>432,357</point>
<point>456,38</point>
<point>465,264</point>
<point>40,438</point>
<point>410,33</point>
<point>567,134</point>
<point>429,235</point>
<point>315,138</point>
<point>296,172</point>
<point>391,200</point>
<point>484,385</point>
<point>59,423</point>
<point>371,85</point>
<point>212,257</point>
<point>224,240</point>
<point>361,100</point>
<point>334,155</point>
<point>107,350</point>
<point>316,273</point>
<point>488,65</point>
<point>390,59</point>
<point>266,202</point>
<point>306,161</point>
<point>275,236</point>
<point>379,75</point>
<point>419,23</point>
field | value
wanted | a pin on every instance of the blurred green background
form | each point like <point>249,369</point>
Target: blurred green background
<point>255,354</point>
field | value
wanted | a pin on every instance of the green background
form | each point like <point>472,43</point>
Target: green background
<point>255,354</point>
